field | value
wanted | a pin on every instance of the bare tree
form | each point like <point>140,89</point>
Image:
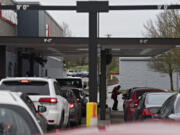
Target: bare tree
<point>167,25</point>
<point>66,31</point>
<point>165,64</point>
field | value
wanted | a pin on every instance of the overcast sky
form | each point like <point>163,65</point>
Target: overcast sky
<point>115,23</point>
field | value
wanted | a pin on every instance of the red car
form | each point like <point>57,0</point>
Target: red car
<point>131,98</point>
<point>143,128</point>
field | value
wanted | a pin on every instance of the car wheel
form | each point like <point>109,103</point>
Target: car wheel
<point>61,121</point>
<point>80,117</point>
<point>79,121</point>
<point>68,124</point>
<point>125,116</point>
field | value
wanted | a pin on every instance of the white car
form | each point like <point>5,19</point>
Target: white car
<point>42,91</point>
<point>15,116</point>
<point>70,73</point>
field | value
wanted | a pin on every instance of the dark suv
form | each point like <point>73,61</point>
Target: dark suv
<point>74,105</point>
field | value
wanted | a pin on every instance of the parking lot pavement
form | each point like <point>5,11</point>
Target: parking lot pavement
<point>115,116</point>
<point>111,116</point>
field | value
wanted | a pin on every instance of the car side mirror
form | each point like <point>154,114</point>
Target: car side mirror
<point>41,108</point>
<point>133,105</point>
<point>125,96</point>
<point>139,98</point>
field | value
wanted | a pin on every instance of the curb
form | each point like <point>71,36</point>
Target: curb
<point>108,118</point>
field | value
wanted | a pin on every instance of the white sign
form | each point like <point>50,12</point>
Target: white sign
<point>9,15</point>
<point>47,30</point>
<point>23,7</point>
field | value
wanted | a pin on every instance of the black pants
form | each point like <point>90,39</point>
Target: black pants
<point>115,104</point>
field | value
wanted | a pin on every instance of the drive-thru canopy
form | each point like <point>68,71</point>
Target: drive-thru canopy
<point>126,47</point>
<point>121,47</point>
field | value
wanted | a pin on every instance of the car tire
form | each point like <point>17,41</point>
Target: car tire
<point>68,124</point>
<point>80,117</point>
<point>61,121</point>
<point>125,116</point>
<point>79,121</point>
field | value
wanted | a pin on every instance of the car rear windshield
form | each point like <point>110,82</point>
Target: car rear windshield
<point>177,106</point>
<point>141,92</point>
<point>28,87</point>
<point>15,120</point>
<point>76,92</point>
<point>157,99</point>
<point>69,95</point>
<point>70,82</point>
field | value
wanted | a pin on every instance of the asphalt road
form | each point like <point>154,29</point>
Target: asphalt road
<point>115,116</point>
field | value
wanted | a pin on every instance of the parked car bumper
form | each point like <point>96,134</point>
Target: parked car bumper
<point>52,117</point>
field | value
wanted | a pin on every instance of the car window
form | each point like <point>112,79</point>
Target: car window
<point>141,103</point>
<point>70,82</point>
<point>141,92</point>
<point>57,88</point>
<point>15,120</point>
<point>129,92</point>
<point>70,96</point>
<point>168,106</point>
<point>63,93</point>
<point>77,93</point>
<point>29,87</point>
<point>156,99</point>
<point>177,107</point>
<point>11,119</point>
<point>29,103</point>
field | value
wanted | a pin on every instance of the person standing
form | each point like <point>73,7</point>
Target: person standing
<point>114,96</point>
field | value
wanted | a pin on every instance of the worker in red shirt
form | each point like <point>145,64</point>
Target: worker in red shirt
<point>114,96</point>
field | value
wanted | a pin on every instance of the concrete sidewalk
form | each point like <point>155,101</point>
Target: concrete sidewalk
<point>117,117</point>
<point>108,118</point>
<point>112,117</point>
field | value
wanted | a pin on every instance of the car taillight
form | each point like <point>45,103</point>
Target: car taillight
<point>133,105</point>
<point>146,112</point>
<point>77,99</point>
<point>51,121</point>
<point>71,104</point>
<point>24,81</point>
<point>8,127</point>
<point>48,100</point>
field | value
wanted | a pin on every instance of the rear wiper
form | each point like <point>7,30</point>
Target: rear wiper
<point>32,93</point>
